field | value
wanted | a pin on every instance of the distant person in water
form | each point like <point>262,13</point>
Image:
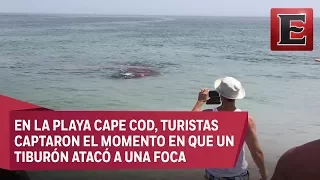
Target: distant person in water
<point>299,163</point>
<point>230,90</point>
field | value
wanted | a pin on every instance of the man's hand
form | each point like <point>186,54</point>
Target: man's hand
<point>203,95</point>
<point>202,98</point>
<point>264,175</point>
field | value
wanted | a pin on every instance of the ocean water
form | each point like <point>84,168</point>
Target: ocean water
<point>57,61</point>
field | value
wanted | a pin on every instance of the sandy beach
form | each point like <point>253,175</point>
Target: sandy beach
<point>140,174</point>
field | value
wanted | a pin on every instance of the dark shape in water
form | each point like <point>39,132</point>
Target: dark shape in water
<point>135,72</point>
<point>145,64</point>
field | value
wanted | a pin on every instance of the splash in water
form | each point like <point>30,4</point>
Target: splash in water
<point>135,72</point>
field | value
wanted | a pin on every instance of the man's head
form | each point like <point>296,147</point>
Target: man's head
<point>229,89</point>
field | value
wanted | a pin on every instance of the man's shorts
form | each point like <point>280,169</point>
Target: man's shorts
<point>243,176</point>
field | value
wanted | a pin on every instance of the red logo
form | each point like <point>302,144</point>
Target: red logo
<point>291,29</point>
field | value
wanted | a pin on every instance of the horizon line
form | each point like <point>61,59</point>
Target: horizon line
<point>123,14</point>
<point>118,14</point>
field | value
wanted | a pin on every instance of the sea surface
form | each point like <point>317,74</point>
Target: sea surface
<point>57,61</point>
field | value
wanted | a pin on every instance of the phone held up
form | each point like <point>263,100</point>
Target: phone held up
<point>214,98</point>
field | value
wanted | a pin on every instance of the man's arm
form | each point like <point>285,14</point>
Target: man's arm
<point>254,147</point>
<point>197,106</point>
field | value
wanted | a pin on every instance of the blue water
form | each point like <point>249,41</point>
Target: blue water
<point>55,61</point>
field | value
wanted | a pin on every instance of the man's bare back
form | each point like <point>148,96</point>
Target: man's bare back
<point>299,163</point>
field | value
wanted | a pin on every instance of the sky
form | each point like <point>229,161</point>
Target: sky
<point>155,7</point>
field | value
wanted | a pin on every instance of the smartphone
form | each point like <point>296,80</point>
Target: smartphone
<point>214,94</point>
<point>214,98</point>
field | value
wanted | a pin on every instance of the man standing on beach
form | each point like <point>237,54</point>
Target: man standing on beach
<point>230,90</point>
<point>302,162</point>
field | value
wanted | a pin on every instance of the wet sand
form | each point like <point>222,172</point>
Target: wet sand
<point>141,175</point>
<point>122,175</point>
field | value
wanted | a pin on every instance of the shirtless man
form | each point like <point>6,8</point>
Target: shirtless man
<point>299,163</point>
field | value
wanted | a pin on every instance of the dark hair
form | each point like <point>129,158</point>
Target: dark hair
<point>229,100</point>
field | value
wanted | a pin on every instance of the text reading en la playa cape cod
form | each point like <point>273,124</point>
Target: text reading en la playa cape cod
<point>50,140</point>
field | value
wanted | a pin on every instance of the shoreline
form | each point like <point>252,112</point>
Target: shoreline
<point>152,174</point>
<point>129,174</point>
<point>143,174</point>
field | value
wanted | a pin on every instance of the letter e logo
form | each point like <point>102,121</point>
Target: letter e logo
<point>291,29</point>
